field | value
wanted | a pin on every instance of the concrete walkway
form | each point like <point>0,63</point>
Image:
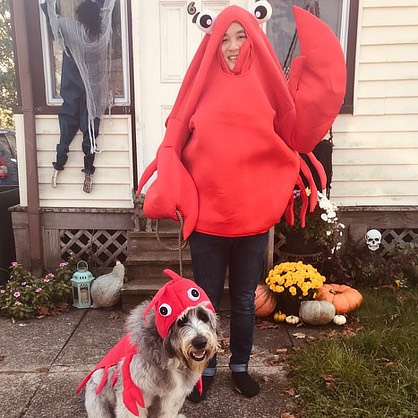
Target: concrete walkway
<point>42,361</point>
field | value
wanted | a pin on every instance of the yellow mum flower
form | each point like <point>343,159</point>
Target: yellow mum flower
<point>297,278</point>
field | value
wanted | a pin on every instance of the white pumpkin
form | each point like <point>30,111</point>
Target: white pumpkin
<point>316,312</point>
<point>339,320</point>
<point>292,319</point>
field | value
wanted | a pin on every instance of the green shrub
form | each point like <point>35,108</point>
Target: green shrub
<point>360,267</point>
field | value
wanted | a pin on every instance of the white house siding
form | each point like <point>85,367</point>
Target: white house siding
<point>112,181</point>
<point>376,149</point>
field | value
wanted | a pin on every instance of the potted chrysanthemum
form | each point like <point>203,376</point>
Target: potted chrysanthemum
<point>293,282</point>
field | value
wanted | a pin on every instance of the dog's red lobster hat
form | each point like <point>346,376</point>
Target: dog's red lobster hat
<point>176,296</point>
<point>230,158</point>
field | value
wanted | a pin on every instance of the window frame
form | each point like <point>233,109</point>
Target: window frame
<point>348,106</point>
<point>348,40</point>
<point>47,51</point>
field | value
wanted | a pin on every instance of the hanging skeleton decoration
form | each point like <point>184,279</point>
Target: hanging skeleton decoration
<point>373,239</point>
<point>86,43</point>
<point>88,55</point>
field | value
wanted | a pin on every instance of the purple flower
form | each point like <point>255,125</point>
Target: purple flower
<point>16,294</point>
<point>23,283</point>
<point>46,280</point>
<point>15,264</point>
<point>18,303</point>
<point>2,291</point>
<point>64,264</point>
<point>38,290</point>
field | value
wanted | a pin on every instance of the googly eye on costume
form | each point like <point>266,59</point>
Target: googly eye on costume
<point>262,11</point>
<point>193,294</point>
<point>204,20</point>
<point>165,310</point>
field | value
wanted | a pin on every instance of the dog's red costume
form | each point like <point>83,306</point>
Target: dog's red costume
<point>169,303</point>
<point>229,160</point>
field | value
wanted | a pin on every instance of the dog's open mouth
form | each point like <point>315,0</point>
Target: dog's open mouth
<point>198,355</point>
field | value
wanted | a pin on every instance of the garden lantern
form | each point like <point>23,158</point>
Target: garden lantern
<point>81,284</point>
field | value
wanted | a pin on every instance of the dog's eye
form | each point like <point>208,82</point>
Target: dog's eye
<point>165,309</point>
<point>182,321</point>
<point>203,316</point>
<point>193,294</point>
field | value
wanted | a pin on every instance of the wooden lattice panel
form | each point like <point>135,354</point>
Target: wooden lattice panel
<point>279,241</point>
<point>392,237</point>
<point>101,248</point>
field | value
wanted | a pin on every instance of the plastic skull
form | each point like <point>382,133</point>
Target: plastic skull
<point>373,239</point>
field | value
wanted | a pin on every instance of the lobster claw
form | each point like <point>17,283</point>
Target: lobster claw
<point>173,190</point>
<point>317,80</point>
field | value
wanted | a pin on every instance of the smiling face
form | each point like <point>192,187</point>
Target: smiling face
<point>231,43</point>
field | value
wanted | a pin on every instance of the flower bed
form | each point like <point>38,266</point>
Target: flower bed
<point>26,296</point>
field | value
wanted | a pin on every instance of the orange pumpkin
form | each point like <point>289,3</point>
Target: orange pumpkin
<point>264,302</point>
<point>343,297</point>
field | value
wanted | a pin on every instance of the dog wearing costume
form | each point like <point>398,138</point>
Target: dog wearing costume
<point>155,366</point>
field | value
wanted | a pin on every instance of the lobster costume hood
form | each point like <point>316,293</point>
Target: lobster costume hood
<point>230,159</point>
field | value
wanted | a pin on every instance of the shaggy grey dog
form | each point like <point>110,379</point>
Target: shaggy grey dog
<point>165,370</point>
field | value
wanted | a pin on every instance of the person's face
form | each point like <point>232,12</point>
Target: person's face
<point>231,43</point>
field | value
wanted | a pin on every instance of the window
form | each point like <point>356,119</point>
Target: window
<point>52,54</point>
<point>339,15</point>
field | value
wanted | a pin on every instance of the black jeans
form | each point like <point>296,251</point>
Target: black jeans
<point>244,256</point>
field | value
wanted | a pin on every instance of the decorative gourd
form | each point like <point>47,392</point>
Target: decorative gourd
<point>279,316</point>
<point>343,297</point>
<point>292,319</point>
<point>339,320</point>
<point>264,302</point>
<point>316,312</point>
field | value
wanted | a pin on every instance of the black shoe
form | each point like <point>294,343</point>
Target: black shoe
<point>88,183</point>
<point>245,384</point>
<point>195,396</point>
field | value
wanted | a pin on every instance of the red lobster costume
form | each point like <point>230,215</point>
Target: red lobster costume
<point>230,158</point>
<point>169,303</point>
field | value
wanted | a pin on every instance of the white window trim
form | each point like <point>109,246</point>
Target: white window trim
<point>345,20</point>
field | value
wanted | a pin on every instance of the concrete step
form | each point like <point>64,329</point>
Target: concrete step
<point>143,242</point>
<point>136,291</point>
<point>150,265</point>
<point>147,258</point>
<point>157,256</point>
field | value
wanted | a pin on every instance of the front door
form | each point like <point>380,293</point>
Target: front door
<point>164,42</point>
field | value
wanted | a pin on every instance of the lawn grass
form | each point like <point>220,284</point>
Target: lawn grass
<point>372,372</point>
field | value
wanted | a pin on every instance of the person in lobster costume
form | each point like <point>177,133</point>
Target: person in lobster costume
<point>230,157</point>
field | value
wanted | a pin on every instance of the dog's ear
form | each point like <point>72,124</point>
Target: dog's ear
<point>168,345</point>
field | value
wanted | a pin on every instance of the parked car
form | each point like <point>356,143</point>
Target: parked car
<point>9,196</point>
<point>8,159</point>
